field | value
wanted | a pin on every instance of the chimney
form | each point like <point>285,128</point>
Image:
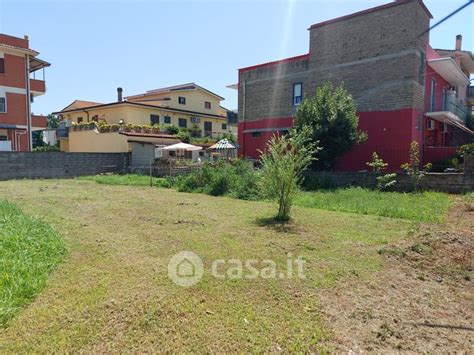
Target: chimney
<point>457,51</point>
<point>458,42</point>
<point>119,94</point>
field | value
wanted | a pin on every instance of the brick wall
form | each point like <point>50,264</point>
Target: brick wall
<point>377,55</point>
<point>36,165</point>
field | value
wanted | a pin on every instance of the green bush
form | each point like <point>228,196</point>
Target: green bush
<point>236,179</point>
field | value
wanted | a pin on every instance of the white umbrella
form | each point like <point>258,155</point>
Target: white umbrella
<point>182,146</point>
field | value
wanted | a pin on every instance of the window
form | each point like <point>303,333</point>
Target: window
<point>3,135</point>
<point>433,96</point>
<point>182,122</point>
<point>207,128</point>
<point>79,120</point>
<point>224,126</point>
<point>154,119</point>
<point>207,105</point>
<point>3,105</point>
<point>256,134</point>
<point>430,124</point>
<point>182,100</point>
<point>167,119</point>
<point>2,65</point>
<point>444,127</point>
<point>297,93</point>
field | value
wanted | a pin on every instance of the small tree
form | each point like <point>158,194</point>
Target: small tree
<point>384,182</point>
<point>283,163</point>
<point>52,121</point>
<point>332,117</point>
<point>413,168</point>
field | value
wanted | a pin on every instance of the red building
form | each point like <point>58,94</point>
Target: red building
<point>405,91</point>
<point>19,85</point>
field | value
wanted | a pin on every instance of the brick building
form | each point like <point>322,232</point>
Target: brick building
<point>404,90</point>
<point>19,85</point>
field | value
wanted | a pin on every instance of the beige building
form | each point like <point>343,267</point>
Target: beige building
<point>186,106</point>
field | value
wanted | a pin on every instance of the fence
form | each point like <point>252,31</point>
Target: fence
<point>161,170</point>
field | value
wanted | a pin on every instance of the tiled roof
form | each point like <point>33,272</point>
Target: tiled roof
<point>78,104</point>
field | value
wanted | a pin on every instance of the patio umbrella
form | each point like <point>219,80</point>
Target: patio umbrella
<point>182,146</point>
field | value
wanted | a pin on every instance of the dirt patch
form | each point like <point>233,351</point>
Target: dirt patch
<point>423,299</point>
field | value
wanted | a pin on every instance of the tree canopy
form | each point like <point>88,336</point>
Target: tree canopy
<point>332,118</point>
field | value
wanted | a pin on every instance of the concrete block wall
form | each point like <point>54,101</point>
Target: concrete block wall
<point>445,182</point>
<point>45,165</point>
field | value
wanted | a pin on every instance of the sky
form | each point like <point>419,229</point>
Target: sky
<point>95,46</point>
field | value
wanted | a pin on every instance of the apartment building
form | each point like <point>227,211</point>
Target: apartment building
<point>185,106</point>
<point>21,80</point>
<point>404,90</point>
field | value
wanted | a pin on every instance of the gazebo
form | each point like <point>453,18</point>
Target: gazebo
<point>225,148</point>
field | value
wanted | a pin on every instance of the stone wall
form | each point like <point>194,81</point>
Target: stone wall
<point>38,165</point>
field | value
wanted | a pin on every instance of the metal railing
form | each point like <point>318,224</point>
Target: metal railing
<point>62,132</point>
<point>470,91</point>
<point>447,102</point>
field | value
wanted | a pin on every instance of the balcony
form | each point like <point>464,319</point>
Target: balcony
<point>470,95</point>
<point>62,132</point>
<point>445,107</point>
<point>38,86</point>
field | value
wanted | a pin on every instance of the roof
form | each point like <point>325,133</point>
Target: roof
<point>36,64</point>
<point>21,49</point>
<point>95,106</point>
<point>79,104</point>
<point>182,87</point>
<point>275,62</point>
<point>373,9</point>
<point>467,58</point>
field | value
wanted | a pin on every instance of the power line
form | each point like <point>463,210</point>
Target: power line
<point>447,17</point>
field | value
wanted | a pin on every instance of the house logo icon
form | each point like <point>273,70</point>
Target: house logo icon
<point>185,268</point>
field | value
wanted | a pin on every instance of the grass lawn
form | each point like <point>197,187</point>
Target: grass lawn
<point>125,180</point>
<point>112,292</point>
<point>29,250</point>
<point>423,206</point>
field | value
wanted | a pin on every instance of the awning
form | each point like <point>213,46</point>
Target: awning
<point>449,70</point>
<point>36,64</point>
<point>449,118</point>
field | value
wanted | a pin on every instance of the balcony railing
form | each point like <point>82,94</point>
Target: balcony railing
<point>470,92</point>
<point>447,102</point>
<point>37,85</point>
<point>62,132</point>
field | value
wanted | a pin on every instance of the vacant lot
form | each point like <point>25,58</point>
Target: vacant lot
<point>362,272</point>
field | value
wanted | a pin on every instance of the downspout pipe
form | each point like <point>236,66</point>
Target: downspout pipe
<point>28,103</point>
